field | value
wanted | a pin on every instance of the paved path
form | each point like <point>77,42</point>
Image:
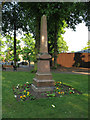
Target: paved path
<point>84,71</point>
<point>21,68</point>
<point>73,70</point>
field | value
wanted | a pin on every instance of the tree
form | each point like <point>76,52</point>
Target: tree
<point>88,46</point>
<point>67,12</point>
<point>1,47</point>
<point>12,21</point>
<point>56,42</point>
<point>62,45</point>
<point>72,51</point>
<point>10,48</point>
<point>28,50</point>
<point>73,14</point>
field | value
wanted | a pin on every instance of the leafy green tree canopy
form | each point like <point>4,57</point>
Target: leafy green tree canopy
<point>2,46</point>
<point>9,42</point>
<point>28,50</point>
<point>88,46</point>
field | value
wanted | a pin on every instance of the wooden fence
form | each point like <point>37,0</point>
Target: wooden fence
<point>74,59</point>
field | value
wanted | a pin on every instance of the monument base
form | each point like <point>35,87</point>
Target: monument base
<point>42,89</point>
<point>43,83</point>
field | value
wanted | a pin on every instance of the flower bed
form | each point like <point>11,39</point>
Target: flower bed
<point>22,92</point>
<point>25,92</point>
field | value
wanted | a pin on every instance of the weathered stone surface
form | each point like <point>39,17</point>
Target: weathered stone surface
<point>43,83</point>
<point>43,66</point>
<point>47,76</point>
<point>43,80</point>
<point>42,89</point>
<point>43,36</point>
<point>44,56</point>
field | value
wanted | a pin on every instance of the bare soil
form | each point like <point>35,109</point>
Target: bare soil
<point>37,95</point>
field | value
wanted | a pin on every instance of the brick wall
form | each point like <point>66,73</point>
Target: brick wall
<point>72,59</point>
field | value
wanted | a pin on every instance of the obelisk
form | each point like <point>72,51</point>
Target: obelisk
<point>43,80</point>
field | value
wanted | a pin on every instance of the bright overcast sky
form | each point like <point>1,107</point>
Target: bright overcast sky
<point>76,40</point>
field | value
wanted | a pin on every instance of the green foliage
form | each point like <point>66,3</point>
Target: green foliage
<point>1,42</point>
<point>2,46</point>
<point>72,51</point>
<point>9,42</point>
<point>13,20</point>
<point>78,65</point>
<point>51,95</point>
<point>88,46</point>
<point>62,45</point>
<point>33,71</point>
<point>58,14</point>
<point>12,14</point>
<point>28,50</point>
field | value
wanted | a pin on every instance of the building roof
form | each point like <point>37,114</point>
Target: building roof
<point>83,51</point>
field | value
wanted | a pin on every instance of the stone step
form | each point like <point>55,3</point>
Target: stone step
<point>42,89</point>
<point>43,83</point>
<point>44,76</point>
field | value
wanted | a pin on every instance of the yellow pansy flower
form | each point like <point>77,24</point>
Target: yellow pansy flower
<point>57,88</point>
<point>24,96</point>
<point>58,92</point>
<point>27,93</point>
<point>20,96</point>
<point>24,90</point>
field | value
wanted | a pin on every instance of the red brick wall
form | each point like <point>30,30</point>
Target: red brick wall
<point>70,59</point>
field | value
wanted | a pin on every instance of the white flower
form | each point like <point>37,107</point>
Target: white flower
<point>53,105</point>
<point>27,82</point>
<point>17,87</point>
<point>15,96</point>
<point>73,92</point>
<point>61,96</point>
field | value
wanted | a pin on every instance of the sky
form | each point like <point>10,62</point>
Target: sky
<point>76,40</point>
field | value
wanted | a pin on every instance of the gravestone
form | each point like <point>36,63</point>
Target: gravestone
<point>43,79</point>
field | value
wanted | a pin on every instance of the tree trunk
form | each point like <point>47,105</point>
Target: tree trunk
<point>37,35</point>
<point>55,46</point>
<point>29,63</point>
<point>37,44</point>
<point>14,46</point>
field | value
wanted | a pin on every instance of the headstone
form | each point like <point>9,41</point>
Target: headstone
<point>43,80</point>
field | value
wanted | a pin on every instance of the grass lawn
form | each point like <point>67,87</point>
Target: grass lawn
<point>69,106</point>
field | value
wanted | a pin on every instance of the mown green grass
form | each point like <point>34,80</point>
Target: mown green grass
<point>70,106</point>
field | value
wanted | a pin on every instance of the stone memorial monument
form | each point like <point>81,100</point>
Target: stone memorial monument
<point>43,80</point>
